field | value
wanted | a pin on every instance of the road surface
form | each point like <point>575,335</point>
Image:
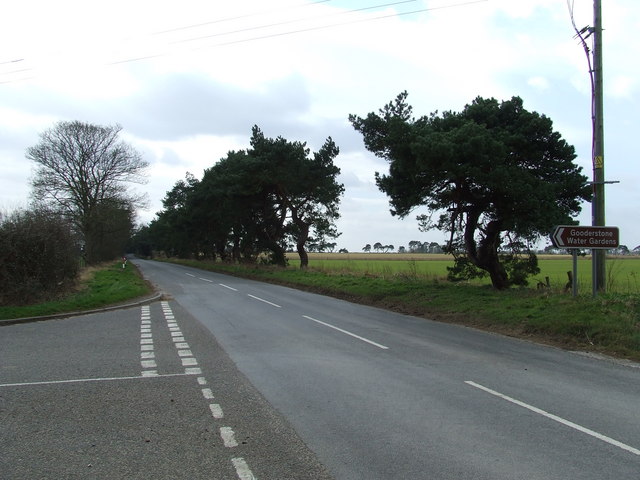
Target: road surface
<point>139,393</point>
<point>379,395</point>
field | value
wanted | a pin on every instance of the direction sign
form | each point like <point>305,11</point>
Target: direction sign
<point>576,236</point>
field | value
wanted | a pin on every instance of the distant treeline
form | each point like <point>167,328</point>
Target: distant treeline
<point>415,246</point>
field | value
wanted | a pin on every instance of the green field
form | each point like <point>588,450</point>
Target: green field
<point>623,273</point>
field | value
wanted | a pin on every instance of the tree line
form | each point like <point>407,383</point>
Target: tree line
<point>81,211</point>
<point>252,204</point>
<point>495,176</point>
<point>415,246</point>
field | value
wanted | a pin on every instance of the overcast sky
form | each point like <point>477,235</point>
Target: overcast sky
<point>187,80</point>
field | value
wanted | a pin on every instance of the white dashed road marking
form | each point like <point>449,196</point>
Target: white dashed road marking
<point>228,437</point>
<point>346,332</point>
<point>263,300</point>
<point>216,410</point>
<point>555,418</point>
<point>189,361</point>
<point>147,355</point>
<point>207,393</point>
<point>242,469</point>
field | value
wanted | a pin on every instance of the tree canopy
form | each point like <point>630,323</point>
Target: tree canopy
<point>497,175</point>
<point>82,171</point>
<point>255,201</point>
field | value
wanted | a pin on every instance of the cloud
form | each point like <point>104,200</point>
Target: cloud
<point>538,82</point>
<point>182,105</point>
<point>621,86</point>
<point>193,101</point>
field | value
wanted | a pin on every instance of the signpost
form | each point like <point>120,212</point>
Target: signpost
<point>575,237</point>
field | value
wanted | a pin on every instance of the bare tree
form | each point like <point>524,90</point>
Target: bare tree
<point>81,168</point>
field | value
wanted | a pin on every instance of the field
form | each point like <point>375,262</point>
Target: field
<point>623,273</point>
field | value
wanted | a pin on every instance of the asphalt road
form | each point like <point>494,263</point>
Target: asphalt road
<point>377,395</point>
<point>139,393</point>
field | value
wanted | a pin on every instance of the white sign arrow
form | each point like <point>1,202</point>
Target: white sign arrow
<point>557,237</point>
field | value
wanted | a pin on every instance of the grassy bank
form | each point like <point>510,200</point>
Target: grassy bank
<point>98,287</point>
<point>608,324</point>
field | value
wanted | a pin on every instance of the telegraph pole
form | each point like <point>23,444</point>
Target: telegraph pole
<point>598,205</point>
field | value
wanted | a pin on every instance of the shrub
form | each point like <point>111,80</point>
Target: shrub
<point>38,256</point>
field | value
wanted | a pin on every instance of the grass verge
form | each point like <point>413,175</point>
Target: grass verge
<point>106,285</point>
<point>608,324</point>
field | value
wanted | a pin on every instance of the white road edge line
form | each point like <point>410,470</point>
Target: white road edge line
<point>85,380</point>
<point>263,300</point>
<point>242,469</point>
<point>555,418</point>
<point>227,286</point>
<point>347,333</point>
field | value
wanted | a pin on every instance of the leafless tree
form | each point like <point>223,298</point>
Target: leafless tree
<point>80,169</point>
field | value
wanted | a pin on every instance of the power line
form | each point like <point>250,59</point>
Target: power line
<point>191,26</point>
<point>310,29</point>
<point>263,37</point>
<point>239,17</point>
<point>288,22</point>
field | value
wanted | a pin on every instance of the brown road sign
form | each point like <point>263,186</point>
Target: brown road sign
<point>576,236</point>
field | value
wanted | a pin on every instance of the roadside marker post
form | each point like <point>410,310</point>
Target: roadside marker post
<point>574,279</point>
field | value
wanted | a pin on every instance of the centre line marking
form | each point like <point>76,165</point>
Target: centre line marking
<point>346,332</point>
<point>555,418</point>
<point>263,300</point>
<point>206,280</point>
<point>190,274</point>
<point>227,286</point>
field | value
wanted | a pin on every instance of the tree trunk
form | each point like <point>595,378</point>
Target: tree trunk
<point>301,241</point>
<point>236,254</point>
<point>485,255</point>
<point>303,236</point>
<point>488,256</point>
<point>278,256</point>
<point>498,275</point>
<point>304,256</point>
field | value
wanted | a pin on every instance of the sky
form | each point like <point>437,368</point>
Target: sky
<point>187,81</point>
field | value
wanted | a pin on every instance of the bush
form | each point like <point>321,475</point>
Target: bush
<point>38,256</point>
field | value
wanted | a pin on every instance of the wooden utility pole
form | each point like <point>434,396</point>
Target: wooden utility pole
<point>598,205</point>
